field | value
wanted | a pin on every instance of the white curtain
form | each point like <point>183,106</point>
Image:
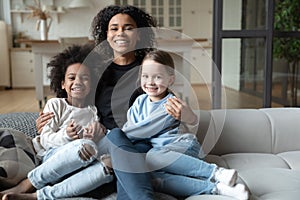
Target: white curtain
<point>5,11</point>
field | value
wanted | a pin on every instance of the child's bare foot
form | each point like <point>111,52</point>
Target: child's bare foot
<point>22,196</point>
<point>23,187</point>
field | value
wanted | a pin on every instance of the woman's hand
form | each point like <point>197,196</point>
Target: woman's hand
<point>95,131</point>
<point>179,109</point>
<point>42,120</point>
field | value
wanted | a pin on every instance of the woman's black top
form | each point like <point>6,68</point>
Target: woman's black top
<point>116,91</point>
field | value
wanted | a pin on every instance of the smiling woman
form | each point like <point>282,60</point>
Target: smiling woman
<point>122,35</point>
<point>115,28</point>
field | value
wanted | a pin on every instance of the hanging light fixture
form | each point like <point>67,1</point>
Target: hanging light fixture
<point>79,4</point>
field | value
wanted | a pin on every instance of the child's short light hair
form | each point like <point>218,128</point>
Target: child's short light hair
<point>162,57</point>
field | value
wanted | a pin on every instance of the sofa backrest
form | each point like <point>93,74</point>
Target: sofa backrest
<point>268,130</point>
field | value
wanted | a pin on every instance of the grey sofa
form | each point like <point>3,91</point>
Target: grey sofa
<point>262,144</point>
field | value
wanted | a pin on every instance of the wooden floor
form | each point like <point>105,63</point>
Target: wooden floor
<point>18,100</point>
<point>23,100</point>
<point>230,99</point>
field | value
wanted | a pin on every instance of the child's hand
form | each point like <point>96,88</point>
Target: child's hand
<point>179,109</point>
<point>73,130</point>
<point>95,131</point>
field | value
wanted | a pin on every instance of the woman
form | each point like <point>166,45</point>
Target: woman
<point>118,30</point>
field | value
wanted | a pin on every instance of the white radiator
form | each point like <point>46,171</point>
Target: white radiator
<point>4,56</point>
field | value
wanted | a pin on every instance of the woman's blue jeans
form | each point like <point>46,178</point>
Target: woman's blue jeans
<point>55,177</point>
<point>132,171</point>
<point>128,159</point>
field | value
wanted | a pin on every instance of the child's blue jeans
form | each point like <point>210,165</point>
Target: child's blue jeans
<point>179,170</point>
<point>55,177</point>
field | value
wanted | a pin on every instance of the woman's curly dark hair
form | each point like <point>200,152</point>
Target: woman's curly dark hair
<point>58,66</point>
<point>144,21</point>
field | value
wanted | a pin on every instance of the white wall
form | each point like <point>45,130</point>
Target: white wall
<point>75,22</point>
<point>197,18</point>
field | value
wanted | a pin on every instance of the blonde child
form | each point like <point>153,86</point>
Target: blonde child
<point>174,155</point>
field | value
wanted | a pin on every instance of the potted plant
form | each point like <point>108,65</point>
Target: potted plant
<point>287,18</point>
<point>42,24</point>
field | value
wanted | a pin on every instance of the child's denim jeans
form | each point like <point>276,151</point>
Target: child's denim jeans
<point>179,170</point>
<point>55,177</point>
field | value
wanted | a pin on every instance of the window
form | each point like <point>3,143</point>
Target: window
<point>174,13</point>
<point>166,12</point>
<point>246,51</point>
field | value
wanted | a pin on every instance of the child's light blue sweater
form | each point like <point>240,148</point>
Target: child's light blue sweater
<point>147,120</point>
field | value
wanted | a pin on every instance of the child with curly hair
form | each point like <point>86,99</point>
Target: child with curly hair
<point>70,143</point>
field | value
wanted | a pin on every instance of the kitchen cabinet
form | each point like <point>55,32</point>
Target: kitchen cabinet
<point>22,68</point>
<point>202,65</point>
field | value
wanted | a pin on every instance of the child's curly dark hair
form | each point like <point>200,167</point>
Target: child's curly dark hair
<point>58,66</point>
<point>143,20</point>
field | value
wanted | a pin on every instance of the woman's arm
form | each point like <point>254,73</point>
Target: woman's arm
<point>57,132</point>
<point>179,109</point>
<point>43,119</point>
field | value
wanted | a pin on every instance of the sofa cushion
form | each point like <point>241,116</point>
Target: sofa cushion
<point>285,128</point>
<point>271,181</point>
<point>237,131</point>
<point>242,161</point>
<point>292,158</point>
<point>279,195</point>
<point>17,157</point>
<point>268,130</point>
<point>209,197</point>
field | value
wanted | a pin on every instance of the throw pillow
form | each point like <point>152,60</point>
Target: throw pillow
<point>17,157</point>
